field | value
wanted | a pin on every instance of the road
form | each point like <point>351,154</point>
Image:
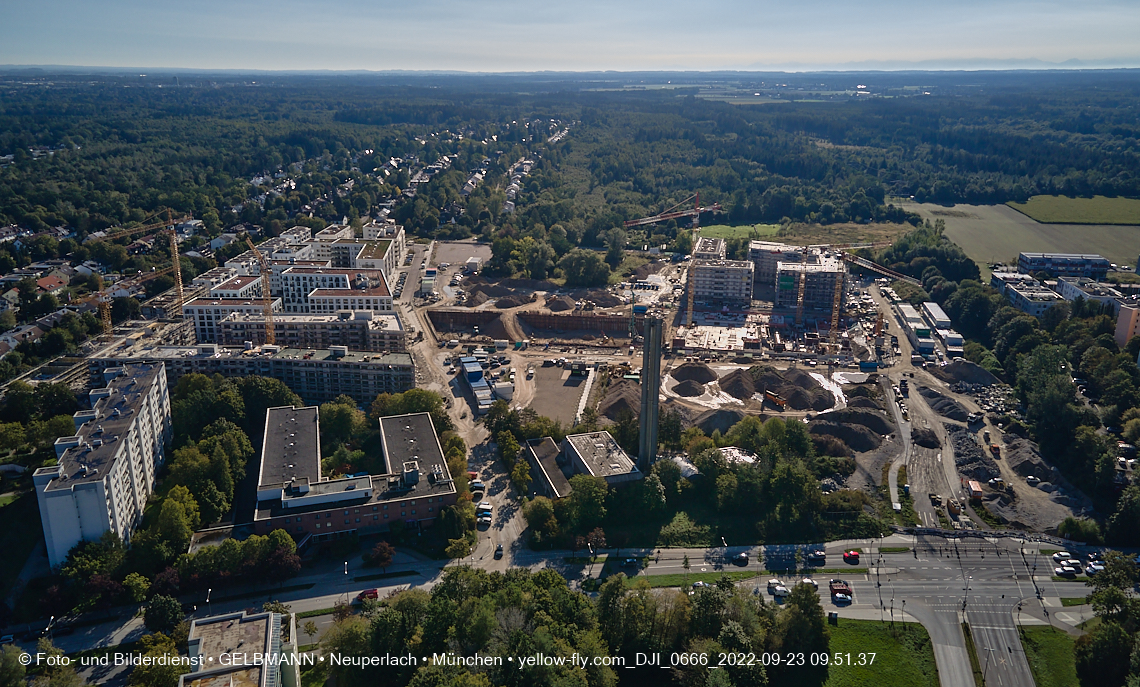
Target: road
<point>938,582</point>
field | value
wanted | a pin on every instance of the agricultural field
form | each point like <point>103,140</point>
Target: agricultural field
<point>1095,210</point>
<point>997,233</point>
<point>756,232</point>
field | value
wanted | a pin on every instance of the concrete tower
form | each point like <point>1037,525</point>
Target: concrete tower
<point>650,391</point>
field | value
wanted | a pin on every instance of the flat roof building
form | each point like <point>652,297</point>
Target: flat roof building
<point>820,275</point>
<point>1072,288</point>
<point>1064,264</point>
<point>361,330</point>
<point>1032,299</point>
<point>721,281</point>
<point>709,248</point>
<point>243,650</point>
<point>598,454</point>
<point>765,255</point>
<point>322,290</point>
<point>106,471</point>
<point>207,314</point>
<point>546,476</point>
<point>415,486</point>
<point>290,452</point>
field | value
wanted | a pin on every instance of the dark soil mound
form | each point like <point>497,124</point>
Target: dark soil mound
<point>694,372</point>
<point>738,384</point>
<point>925,438</point>
<point>874,420</point>
<point>797,387</point>
<point>647,269</point>
<point>722,419</point>
<point>858,437</point>
<point>530,284</point>
<point>964,371</point>
<point>492,290</point>
<point>743,360</point>
<point>863,402</point>
<point>476,299</point>
<point>860,391</point>
<point>600,297</point>
<point>971,459</point>
<point>943,405</point>
<point>559,303</point>
<point>510,302</point>
<point>622,394</point>
<point>689,388</point>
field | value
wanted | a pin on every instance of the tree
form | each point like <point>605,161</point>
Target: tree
<point>586,504</point>
<point>381,555</point>
<point>1124,525</point>
<point>597,539</point>
<point>508,447</point>
<point>162,614</point>
<point>458,548</point>
<point>615,246</point>
<point>310,629</point>
<point>584,268</point>
<point>158,672</point>
<point>137,586</point>
<point>520,476</point>
<point>539,515</point>
<point>56,674</point>
<point>11,670</point>
<point>1102,656</point>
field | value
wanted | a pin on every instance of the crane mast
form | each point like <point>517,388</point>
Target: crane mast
<point>266,301</point>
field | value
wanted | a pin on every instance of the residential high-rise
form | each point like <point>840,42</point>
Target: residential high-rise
<point>650,393</point>
<point>107,470</point>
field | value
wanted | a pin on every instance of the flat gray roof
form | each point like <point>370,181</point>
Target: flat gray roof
<point>601,453</point>
<point>408,438</point>
<point>291,449</point>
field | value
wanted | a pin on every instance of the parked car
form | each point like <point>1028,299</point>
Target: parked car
<point>698,584</point>
<point>810,582</point>
<point>1065,571</point>
<point>1061,556</point>
<point>842,598</point>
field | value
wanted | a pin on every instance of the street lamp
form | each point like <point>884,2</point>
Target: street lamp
<point>986,669</point>
<point>208,592</point>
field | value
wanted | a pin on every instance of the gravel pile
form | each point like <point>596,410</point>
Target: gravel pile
<point>694,372</point>
<point>864,402</point>
<point>622,394</point>
<point>972,460</point>
<point>738,384</point>
<point>559,303</point>
<point>925,438</point>
<point>722,419</point>
<point>476,299</point>
<point>858,437</point>
<point>943,405</point>
<point>511,302</point>
<point>876,421</point>
<point>689,388</point>
<point>964,371</point>
<point>797,387</point>
<point>1024,457</point>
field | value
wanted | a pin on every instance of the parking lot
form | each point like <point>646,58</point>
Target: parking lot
<point>556,393</point>
<point>457,252</point>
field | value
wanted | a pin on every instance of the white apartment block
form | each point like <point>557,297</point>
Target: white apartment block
<point>207,313</point>
<point>722,280</point>
<point>107,470</point>
<point>709,248</point>
<point>320,290</point>
<point>820,276</point>
<point>362,330</point>
<point>243,287</point>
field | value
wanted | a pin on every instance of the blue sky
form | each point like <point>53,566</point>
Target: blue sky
<point>510,35</point>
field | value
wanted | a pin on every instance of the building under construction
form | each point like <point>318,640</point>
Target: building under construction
<point>808,288</point>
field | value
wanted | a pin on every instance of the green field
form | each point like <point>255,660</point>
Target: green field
<point>1050,655</point>
<point>997,233</point>
<point>904,656</point>
<point>756,232</point>
<point>1095,210</point>
<point>1073,601</point>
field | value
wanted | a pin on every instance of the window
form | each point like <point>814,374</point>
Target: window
<point>385,506</point>
<point>286,520</point>
<point>385,516</point>
<point>346,521</point>
<point>403,514</point>
<point>300,529</point>
<point>375,517</point>
<point>429,509</point>
<point>358,519</point>
<point>318,525</point>
<point>413,511</point>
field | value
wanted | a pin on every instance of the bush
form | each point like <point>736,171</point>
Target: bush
<point>163,614</point>
<point>1080,529</point>
<point>682,531</point>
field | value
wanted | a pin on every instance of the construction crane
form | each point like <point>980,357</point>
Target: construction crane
<point>266,301</point>
<point>177,266</point>
<point>877,268</point>
<point>102,299</point>
<point>128,233</point>
<point>673,213</point>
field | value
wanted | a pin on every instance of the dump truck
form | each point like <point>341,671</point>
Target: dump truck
<point>839,587</point>
<point>975,489</point>
<point>996,450</point>
<point>954,507</point>
<point>776,399</point>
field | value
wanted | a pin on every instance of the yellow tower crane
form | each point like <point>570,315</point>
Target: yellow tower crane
<point>266,301</point>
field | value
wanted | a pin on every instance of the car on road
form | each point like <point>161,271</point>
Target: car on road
<point>810,582</point>
<point>851,557</point>
<point>700,585</point>
<point>740,559</point>
<point>1061,556</point>
<point>841,598</point>
<point>477,485</point>
<point>484,520</point>
<point>630,563</point>
<point>779,591</point>
<point>367,594</point>
<point>499,551</point>
<point>1065,571</point>
<point>816,557</point>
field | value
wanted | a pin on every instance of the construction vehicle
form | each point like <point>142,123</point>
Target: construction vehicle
<point>996,450</point>
<point>266,301</point>
<point>955,507</point>
<point>776,399</point>
<point>839,587</point>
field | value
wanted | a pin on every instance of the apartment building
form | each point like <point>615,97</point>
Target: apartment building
<point>208,313</point>
<point>106,471</point>
<point>239,287</point>
<point>360,330</point>
<point>597,454</point>
<point>322,290</point>
<point>1064,264</point>
<point>243,650</point>
<point>709,248</point>
<point>722,281</point>
<point>820,275</point>
<point>1033,299</point>
<point>316,375</point>
<point>766,255</point>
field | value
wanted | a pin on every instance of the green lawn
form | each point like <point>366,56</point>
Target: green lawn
<point>19,532</point>
<point>904,656</point>
<point>1050,655</point>
<point>1095,210</point>
<point>894,549</point>
<point>1073,601</point>
<point>629,263</point>
<point>8,498</point>
<point>681,579</point>
<point>755,232</point>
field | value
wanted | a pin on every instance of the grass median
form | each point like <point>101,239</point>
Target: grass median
<point>1050,655</point>
<point>903,655</point>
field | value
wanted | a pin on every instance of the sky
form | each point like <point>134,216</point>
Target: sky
<point>581,35</point>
